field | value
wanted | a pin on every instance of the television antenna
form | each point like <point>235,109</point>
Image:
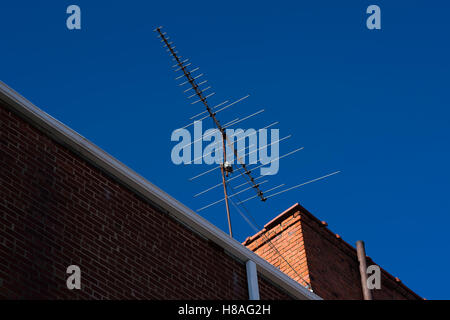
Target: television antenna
<point>196,89</point>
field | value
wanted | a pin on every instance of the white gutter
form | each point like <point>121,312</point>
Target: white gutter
<point>131,179</point>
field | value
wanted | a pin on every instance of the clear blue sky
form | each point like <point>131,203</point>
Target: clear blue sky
<point>374,104</point>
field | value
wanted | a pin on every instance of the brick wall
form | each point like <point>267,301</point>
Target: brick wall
<point>269,291</point>
<point>319,257</point>
<point>57,210</point>
<point>286,238</point>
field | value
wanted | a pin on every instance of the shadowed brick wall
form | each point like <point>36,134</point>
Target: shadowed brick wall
<point>57,210</point>
<point>319,257</point>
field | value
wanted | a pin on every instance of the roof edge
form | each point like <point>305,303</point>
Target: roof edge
<point>93,154</point>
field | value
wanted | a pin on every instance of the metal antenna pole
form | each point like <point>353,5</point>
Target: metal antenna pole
<point>224,173</point>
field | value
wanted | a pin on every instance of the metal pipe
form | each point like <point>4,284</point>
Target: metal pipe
<point>252,280</point>
<point>361,252</point>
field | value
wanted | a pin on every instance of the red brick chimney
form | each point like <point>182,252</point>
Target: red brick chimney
<point>319,257</point>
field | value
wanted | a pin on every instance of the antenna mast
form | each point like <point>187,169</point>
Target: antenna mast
<point>225,167</point>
